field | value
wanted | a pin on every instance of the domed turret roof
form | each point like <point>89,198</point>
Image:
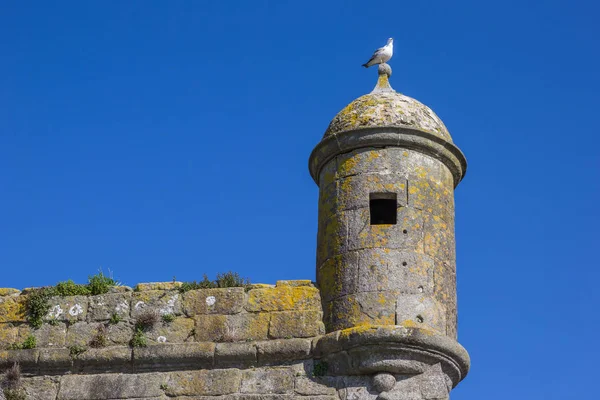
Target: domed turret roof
<point>384,107</point>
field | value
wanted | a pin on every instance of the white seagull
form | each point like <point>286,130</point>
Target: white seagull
<point>382,54</point>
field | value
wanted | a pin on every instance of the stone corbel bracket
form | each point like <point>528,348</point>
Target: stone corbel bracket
<point>393,349</point>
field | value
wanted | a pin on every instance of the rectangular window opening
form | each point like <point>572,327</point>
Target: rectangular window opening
<point>382,207</point>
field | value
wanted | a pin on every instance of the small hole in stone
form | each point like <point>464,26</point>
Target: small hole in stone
<point>404,263</point>
<point>420,289</point>
<point>405,231</point>
<point>419,319</point>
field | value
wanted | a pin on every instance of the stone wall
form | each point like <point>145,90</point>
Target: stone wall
<point>261,342</point>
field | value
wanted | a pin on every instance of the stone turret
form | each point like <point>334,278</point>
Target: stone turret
<point>386,169</point>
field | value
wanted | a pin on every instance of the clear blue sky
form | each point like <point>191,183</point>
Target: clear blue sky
<point>161,139</point>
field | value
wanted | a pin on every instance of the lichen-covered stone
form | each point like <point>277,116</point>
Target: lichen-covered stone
<point>232,328</point>
<point>354,191</point>
<point>338,276</point>
<point>105,359</point>
<point>142,287</point>
<point>51,335</point>
<point>202,383</point>
<point>109,386</point>
<point>118,334</point>
<point>163,301</point>
<point>420,309</point>
<point>387,109</point>
<point>278,351</point>
<point>41,388</point>
<point>174,356</point>
<point>103,307</point>
<point>283,298</point>
<point>235,355</point>
<point>9,291</point>
<point>314,386</point>
<point>12,309</point>
<point>80,334</point>
<point>267,381</point>
<point>177,331</point>
<point>214,301</point>
<point>70,309</point>
<point>295,283</point>
<point>296,324</point>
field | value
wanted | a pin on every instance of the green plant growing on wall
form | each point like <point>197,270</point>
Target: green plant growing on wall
<point>29,343</point>
<point>100,283</point>
<point>168,318</point>
<point>115,319</point>
<point>100,339</point>
<point>70,288</point>
<point>224,280</point>
<point>320,368</point>
<point>76,350</point>
<point>138,339</point>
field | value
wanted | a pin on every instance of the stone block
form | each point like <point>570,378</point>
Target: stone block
<point>232,328</point>
<point>431,197</point>
<point>8,335</point>
<point>80,334</point>
<point>328,172</point>
<point>109,386</point>
<point>354,191</point>
<point>284,298</point>
<point>267,381</point>
<point>51,335</point>
<point>144,287</point>
<point>332,235</point>
<point>54,361</point>
<point>106,359</point>
<point>406,234</point>
<point>439,239</point>
<point>9,292</point>
<point>315,386</point>
<point>102,307</point>
<point>119,334</point>
<point>69,309</point>
<point>174,356</point>
<point>363,161</point>
<point>41,388</point>
<point>338,276</point>
<point>394,270</point>
<point>237,355</point>
<point>214,301</point>
<point>163,301</point>
<point>328,199</point>
<point>12,309</point>
<point>295,283</point>
<point>27,359</point>
<point>420,310</point>
<point>204,383</point>
<point>278,351</point>
<point>296,324</point>
<point>178,331</point>
<point>376,308</point>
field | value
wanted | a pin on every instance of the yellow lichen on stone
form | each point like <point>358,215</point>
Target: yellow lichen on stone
<point>8,291</point>
<point>284,298</point>
<point>142,287</point>
<point>12,309</point>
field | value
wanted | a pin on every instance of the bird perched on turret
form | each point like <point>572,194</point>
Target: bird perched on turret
<point>382,54</point>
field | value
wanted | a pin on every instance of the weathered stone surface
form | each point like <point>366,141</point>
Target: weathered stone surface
<point>42,388</point>
<point>103,307</point>
<point>377,308</point>
<point>355,191</point>
<point>271,380</point>
<point>294,283</point>
<point>407,234</point>
<point>277,351</point>
<point>338,276</point>
<point>205,383</point>
<point>80,334</point>
<point>12,309</point>
<point>70,308</point>
<point>384,382</point>
<point>55,360</point>
<point>236,355</point>
<point>8,335</point>
<point>109,386</point>
<point>332,235</point>
<point>314,386</point>
<point>394,270</point>
<point>164,302</point>
<point>232,328</point>
<point>421,309</point>
<point>106,359</point>
<point>178,331</point>
<point>25,358</point>
<point>9,291</point>
<point>214,301</point>
<point>143,287</point>
<point>51,335</point>
<point>284,298</point>
<point>296,324</point>
<point>119,334</point>
<point>174,356</point>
